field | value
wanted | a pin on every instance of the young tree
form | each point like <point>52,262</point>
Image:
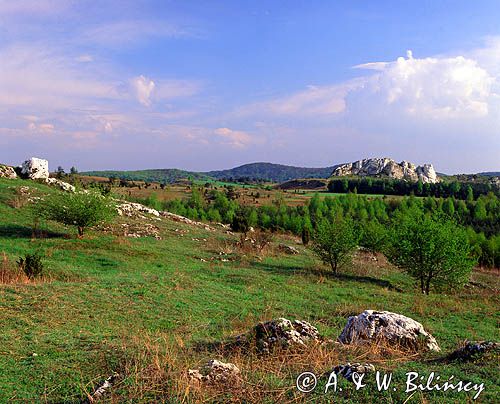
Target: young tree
<point>73,170</point>
<point>334,242</point>
<point>81,209</point>
<point>433,251</point>
<point>374,236</point>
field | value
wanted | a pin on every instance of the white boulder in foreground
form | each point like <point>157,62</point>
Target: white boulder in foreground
<point>384,326</point>
<point>35,168</point>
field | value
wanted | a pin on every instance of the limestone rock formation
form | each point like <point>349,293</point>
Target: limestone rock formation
<point>215,371</point>
<point>384,326</point>
<point>7,172</point>
<point>390,168</point>
<point>35,168</point>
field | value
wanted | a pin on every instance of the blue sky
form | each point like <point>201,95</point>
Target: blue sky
<point>204,85</point>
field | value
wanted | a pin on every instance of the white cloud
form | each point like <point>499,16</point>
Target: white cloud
<point>314,101</point>
<point>122,33</point>
<point>84,58</point>
<point>234,138</point>
<point>143,89</point>
<point>435,88</point>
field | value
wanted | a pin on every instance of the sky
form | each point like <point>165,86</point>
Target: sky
<point>204,85</point>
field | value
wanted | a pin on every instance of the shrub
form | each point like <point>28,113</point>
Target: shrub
<point>374,236</point>
<point>31,265</point>
<point>433,251</point>
<point>306,235</point>
<point>334,242</point>
<point>81,209</point>
<point>240,222</point>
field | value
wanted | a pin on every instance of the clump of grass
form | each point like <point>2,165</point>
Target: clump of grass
<point>10,273</point>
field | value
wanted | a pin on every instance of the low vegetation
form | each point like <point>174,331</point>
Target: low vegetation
<point>149,308</point>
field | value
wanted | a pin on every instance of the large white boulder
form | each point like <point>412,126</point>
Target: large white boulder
<point>387,327</point>
<point>35,168</point>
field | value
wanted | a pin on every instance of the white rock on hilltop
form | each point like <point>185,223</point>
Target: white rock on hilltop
<point>386,166</point>
<point>35,168</point>
<point>384,326</point>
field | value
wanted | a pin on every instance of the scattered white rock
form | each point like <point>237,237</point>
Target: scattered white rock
<point>7,172</point>
<point>132,209</point>
<point>388,327</point>
<point>61,184</point>
<point>215,371</point>
<point>35,168</point>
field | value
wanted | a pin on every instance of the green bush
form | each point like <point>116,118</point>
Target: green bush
<point>334,242</point>
<point>432,250</point>
<point>80,209</point>
<point>31,265</point>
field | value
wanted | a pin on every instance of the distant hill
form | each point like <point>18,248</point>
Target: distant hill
<point>167,175</point>
<point>271,172</point>
<point>254,171</point>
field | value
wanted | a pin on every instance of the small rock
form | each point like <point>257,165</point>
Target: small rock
<point>215,371</point>
<point>347,370</point>
<point>473,350</point>
<point>288,249</point>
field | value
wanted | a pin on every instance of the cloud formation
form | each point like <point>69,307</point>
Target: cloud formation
<point>143,89</point>
<point>234,138</point>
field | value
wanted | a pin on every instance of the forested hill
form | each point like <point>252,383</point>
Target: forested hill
<point>271,172</point>
<point>253,171</point>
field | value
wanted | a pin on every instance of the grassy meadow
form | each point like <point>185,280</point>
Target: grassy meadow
<point>149,309</point>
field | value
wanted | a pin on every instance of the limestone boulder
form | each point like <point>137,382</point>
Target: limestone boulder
<point>7,172</point>
<point>280,333</point>
<point>386,327</point>
<point>35,168</point>
<point>60,184</point>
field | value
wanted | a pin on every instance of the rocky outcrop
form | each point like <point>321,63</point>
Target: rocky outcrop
<point>215,371</point>
<point>7,172</point>
<point>390,168</point>
<point>280,333</point>
<point>387,327</point>
<point>35,168</point>
<point>132,209</point>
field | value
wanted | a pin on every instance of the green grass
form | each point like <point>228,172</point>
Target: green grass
<point>107,293</point>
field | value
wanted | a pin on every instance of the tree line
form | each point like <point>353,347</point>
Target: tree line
<point>479,218</point>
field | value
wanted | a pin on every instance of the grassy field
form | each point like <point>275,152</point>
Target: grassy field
<point>149,309</point>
